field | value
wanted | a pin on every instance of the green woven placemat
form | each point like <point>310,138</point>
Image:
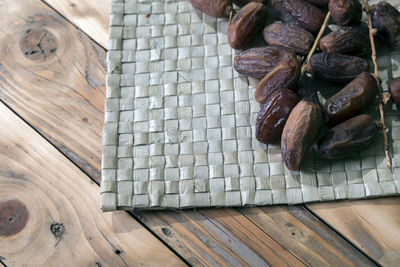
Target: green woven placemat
<point>179,123</point>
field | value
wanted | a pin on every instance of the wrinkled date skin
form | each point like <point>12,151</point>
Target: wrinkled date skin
<point>351,99</point>
<point>394,90</point>
<point>245,2</point>
<point>272,117</point>
<point>335,67</point>
<point>386,19</point>
<point>214,8</point>
<point>348,137</point>
<point>319,2</point>
<point>248,21</point>
<point>300,131</point>
<point>346,40</point>
<point>301,13</point>
<point>257,62</point>
<point>290,36</point>
<point>346,12</point>
<point>284,76</point>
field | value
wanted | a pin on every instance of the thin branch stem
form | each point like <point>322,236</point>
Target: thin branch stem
<point>372,32</point>
<point>316,42</point>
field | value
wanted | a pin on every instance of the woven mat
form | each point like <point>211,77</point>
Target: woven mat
<point>180,123</point>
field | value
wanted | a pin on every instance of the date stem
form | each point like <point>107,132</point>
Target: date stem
<point>316,42</point>
<point>372,32</point>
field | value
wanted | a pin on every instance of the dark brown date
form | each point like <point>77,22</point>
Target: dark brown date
<point>245,2</point>
<point>290,36</point>
<point>272,117</point>
<point>351,99</point>
<point>346,12</point>
<point>338,68</point>
<point>284,76</point>
<point>214,8</point>
<point>247,22</point>
<point>348,137</point>
<point>257,62</point>
<point>301,13</point>
<point>346,40</point>
<point>386,19</point>
<point>300,131</point>
<point>394,90</point>
<point>319,2</point>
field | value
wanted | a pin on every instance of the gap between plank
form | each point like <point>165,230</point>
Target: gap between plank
<point>135,217</point>
<point>323,222</point>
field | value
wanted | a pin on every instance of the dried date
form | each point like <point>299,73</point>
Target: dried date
<point>247,22</point>
<point>257,62</point>
<point>347,103</point>
<point>300,131</point>
<point>290,36</point>
<point>284,76</point>
<point>386,19</point>
<point>394,90</point>
<point>301,13</point>
<point>346,40</point>
<point>272,117</point>
<point>346,12</point>
<point>214,8</point>
<point>348,137</point>
<point>335,67</point>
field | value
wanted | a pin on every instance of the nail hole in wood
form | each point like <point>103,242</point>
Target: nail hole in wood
<point>57,229</point>
<point>166,231</point>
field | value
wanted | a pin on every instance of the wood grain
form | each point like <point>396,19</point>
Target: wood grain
<point>53,76</point>
<point>219,237</point>
<point>304,237</point>
<point>90,16</point>
<point>372,225</point>
<point>61,95</point>
<point>277,236</point>
<point>52,213</point>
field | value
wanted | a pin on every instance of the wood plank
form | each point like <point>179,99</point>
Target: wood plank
<point>373,225</point>
<point>91,17</point>
<point>49,210</point>
<point>53,75</point>
<point>49,91</point>
<point>304,237</point>
<point>254,236</point>
<point>219,237</point>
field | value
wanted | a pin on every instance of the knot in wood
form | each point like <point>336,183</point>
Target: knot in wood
<point>38,44</point>
<point>13,217</point>
<point>57,229</point>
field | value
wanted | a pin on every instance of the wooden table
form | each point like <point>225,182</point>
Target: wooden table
<point>52,75</point>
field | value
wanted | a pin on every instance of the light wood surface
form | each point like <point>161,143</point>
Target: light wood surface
<point>52,210</point>
<point>373,225</point>
<point>61,94</point>
<point>53,76</point>
<point>257,236</point>
<point>89,16</point>
<point>303,236</point>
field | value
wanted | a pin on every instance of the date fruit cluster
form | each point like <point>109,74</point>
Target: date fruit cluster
<point>284,116</point>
